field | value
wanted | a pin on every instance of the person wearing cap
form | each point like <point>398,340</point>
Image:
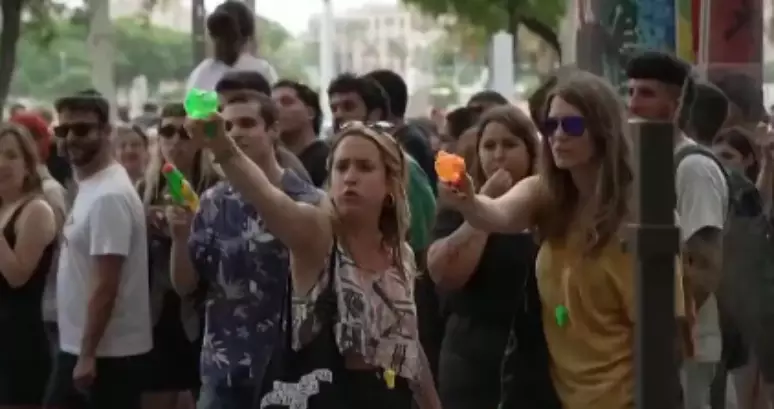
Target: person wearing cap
<point>659,85</point>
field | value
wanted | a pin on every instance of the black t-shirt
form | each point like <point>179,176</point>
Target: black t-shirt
<point>315,159</point>
<point>491,294</point>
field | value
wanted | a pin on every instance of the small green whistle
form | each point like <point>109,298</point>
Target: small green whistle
<point>562,315</point>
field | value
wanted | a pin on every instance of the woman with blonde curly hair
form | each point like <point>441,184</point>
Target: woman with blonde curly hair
<point>352,270</point>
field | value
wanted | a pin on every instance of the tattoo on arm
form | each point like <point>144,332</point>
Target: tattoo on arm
<point>703,262</point>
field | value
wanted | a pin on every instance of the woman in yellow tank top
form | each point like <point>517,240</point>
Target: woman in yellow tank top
<point>579,204</point>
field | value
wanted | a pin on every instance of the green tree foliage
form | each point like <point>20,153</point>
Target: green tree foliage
<point>279,47</point>
<point>64,64</point>
<point>29,16</point>
<point>541,17</point>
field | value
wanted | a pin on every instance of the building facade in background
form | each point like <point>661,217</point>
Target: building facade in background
<point>377,36</point>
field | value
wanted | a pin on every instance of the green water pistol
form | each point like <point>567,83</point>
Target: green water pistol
<point>181,191</point>
<point>200,104</point>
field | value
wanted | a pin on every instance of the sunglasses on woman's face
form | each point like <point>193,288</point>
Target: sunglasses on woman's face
<point>169,132</point>
<point>571,125</point>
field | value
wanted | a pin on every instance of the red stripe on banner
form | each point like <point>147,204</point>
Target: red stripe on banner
<point>736,42</point>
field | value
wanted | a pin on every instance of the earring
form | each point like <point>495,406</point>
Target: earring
<point>390,200</point>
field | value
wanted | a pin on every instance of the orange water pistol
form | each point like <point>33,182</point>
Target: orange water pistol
<point>449,167</point>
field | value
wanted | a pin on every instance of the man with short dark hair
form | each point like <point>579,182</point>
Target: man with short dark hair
<point>707,114</point>
<point>245,267</point>
<point>412,138</point>
<point>103,304</point>
<point>237,82</point>
<point>354,98</point>
<point>300,118</point>
<point>659,85</point>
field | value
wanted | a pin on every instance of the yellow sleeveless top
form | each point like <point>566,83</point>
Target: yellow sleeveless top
<point>592,348</point>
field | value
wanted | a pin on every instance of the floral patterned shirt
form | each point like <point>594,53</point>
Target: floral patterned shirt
<point>246,270</point>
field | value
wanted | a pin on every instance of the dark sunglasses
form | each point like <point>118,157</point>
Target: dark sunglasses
<point>169,132</point>
<point>78,129</point>
<point>571,125</point>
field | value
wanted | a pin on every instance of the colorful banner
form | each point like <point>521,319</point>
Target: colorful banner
<point>606,36</point>
<point>684,22</point>
<point>656,20</point>
<point>735,40</point>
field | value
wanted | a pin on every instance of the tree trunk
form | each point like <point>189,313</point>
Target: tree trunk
<point>101,51</point>
<point>198,30</point>
<point>11,29</point>
<point>513,28</point>
<point>543,31</point>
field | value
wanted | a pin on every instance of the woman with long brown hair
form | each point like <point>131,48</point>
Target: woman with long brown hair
<point>174,358</point>
<point>350,248</point>
<point>480,273</point>
<point>579,203</point>
<point>27,247</point>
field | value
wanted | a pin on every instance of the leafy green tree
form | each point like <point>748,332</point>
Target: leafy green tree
<point>63,65</point>
<point>31,16</point>
<point>541,17</point>
<point>278,46</point>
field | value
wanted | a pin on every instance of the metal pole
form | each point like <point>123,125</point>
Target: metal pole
<point>327,68</point>
<point>656,243</point>
<point>199,45</point>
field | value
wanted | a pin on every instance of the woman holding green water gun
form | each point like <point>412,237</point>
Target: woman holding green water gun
<point>174,374</point>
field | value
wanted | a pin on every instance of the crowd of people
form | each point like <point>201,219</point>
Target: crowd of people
<point>341,273</point>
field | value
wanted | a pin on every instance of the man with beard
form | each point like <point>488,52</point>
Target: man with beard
<point>102,282</point>
<point>246,269</point>
<point>232,30</point>
<point>354,98</point>
<point>300,118</point>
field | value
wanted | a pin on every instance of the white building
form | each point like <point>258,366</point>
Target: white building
<point>379,36</point>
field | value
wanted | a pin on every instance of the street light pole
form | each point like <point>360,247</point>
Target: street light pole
<point>199,44</point>
<point>656,243</point>
<point>326,56</point>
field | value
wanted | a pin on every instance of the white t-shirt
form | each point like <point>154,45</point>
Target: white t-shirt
<point>702,201</point>
<point>107,217</point>
<point>207,74</point>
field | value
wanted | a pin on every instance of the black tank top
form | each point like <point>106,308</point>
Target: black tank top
<point>21,317</point>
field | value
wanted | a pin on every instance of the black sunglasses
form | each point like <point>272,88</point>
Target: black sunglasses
<point>78,129</point>
<point>571,125</point>
<point>169,132</point>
